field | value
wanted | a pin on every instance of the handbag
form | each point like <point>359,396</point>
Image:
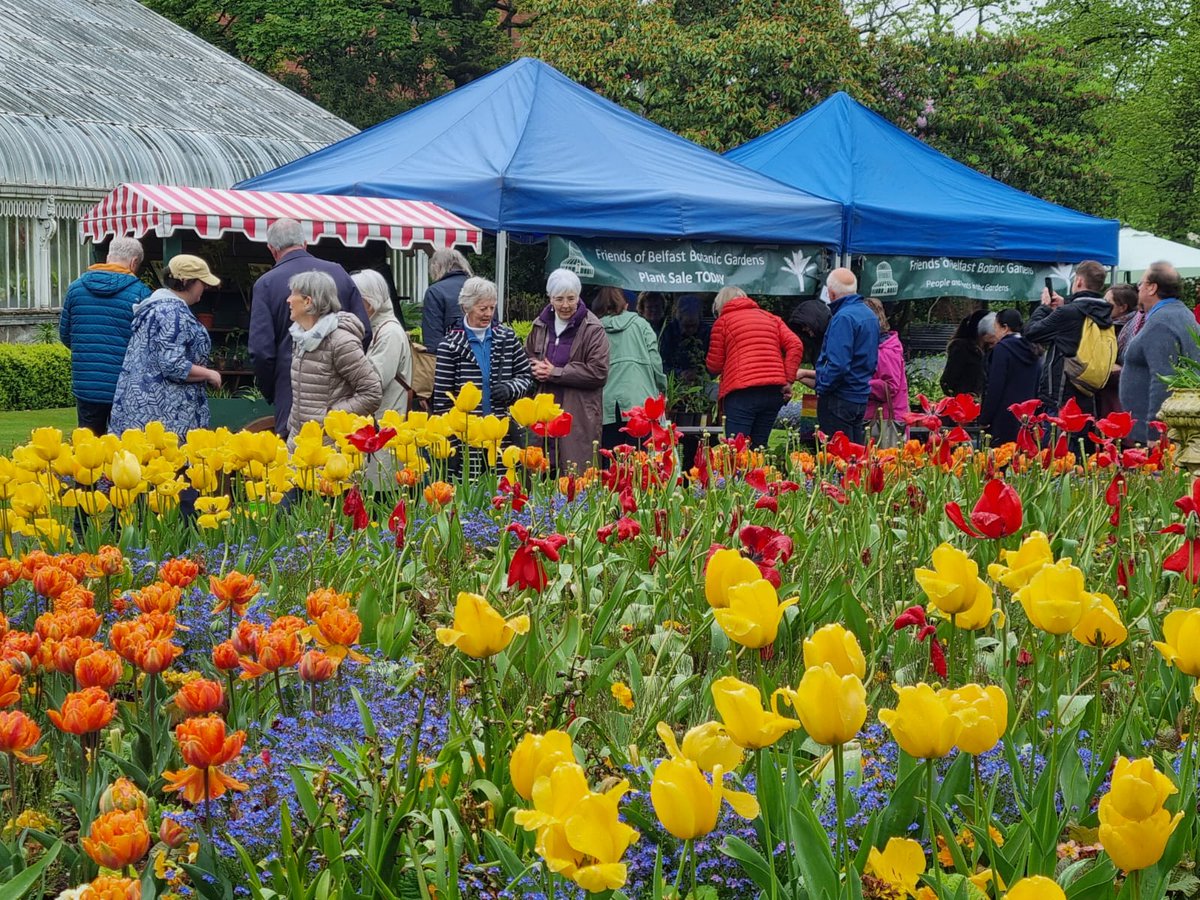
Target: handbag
<point>884,432</point>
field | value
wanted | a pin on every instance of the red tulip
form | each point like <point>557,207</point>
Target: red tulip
<point>1115,425</point>
<point>962,409</point>
<point>997,514</point>
<point>353,506</point>
<point>370,439</point>
<point>1071,418</point>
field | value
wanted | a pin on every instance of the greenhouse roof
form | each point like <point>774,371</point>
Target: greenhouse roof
<point>98,92</point>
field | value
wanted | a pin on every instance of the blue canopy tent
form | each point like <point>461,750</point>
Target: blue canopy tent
<point>902,197</point>
<point>525,150</point>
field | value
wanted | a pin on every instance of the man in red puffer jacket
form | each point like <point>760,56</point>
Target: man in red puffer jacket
<point>756,357</point>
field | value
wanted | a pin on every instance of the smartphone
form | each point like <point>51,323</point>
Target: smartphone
<point>1049,285</point>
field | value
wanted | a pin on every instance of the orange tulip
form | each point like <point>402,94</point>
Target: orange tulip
<point>117,839</point>
<point>74,564</point>
<point>108,887</point>
<point>51,581</point>
<point>84,711</point>
<point>157,597</point>
<point>3,625</point>
<point>200,697</point>
<point>124,795</point>
<point>157,624</point>
<point>276,650</point>
<point>77,598</point>
<point>172,833</point>
<point>53,626</point>
<point>234,591</point>
<point>245,637</point>
<point>316,666</point>
<point>61,656</point>
<point>10,686</point>
<point>225,656</point>
<point>179,572</point>
<point>18,733</point>
<point>10,572</point>
<point>157,655</point>
<point>325,598</point>
<point>336,631</point>
<point>100,668</point>
<point>34,560</point>
<point>110,560</point>
<point>20,650</point>
<point>439,493</point>
<point>205,747</point>
<point>290,624</point>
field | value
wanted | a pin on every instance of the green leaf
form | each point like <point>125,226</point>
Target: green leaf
<point>16,888</point>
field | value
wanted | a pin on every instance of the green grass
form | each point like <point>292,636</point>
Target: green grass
<point>15,426</point>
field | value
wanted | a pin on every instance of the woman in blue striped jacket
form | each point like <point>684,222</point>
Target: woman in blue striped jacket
<point>482,351</point>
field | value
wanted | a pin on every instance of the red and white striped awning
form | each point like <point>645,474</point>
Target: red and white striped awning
<point>135,209</point>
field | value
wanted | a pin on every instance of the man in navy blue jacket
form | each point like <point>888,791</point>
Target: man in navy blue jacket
<point>95,323</point>
<point>849,354</point>
<point>270,338</point>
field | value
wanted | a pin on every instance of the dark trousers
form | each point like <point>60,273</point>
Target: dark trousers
<point>835,414</point>
<point>752,411</point>
<point>93,415</point>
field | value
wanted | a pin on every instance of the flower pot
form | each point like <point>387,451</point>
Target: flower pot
<point>1181,412</point>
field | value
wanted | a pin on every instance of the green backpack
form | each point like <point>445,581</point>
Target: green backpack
<point>1091,366</point>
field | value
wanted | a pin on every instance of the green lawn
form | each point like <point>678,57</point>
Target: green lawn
<point>15,426</point>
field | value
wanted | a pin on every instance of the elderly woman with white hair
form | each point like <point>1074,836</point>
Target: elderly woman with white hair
<point>330,369</point>
<point>570,354</point>
<point>390,351</point>
<point>483,352</point>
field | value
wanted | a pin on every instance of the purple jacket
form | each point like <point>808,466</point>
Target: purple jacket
<point>890,384</point>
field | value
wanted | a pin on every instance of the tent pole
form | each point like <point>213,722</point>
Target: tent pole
<point>501,272</point>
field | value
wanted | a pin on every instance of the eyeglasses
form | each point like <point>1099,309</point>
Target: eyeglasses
<point>564,299</point>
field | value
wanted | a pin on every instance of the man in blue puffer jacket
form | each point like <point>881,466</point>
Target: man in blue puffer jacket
<point>95,324</point>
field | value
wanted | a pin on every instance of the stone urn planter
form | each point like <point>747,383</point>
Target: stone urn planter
<point>1181,413</point>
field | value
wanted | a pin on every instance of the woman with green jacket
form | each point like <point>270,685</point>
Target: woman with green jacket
<point>635,370</point>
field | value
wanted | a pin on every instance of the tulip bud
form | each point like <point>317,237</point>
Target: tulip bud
<point>172,833</point>
<point>225,656</point>
<point>831,707</point>
<point>837,646</point>
<point>124,795</point>
<point>316,666</point>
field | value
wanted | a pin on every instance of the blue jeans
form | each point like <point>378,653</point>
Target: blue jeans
<point>93,415</point>
<point>835,414</point>
<point>752,411</point>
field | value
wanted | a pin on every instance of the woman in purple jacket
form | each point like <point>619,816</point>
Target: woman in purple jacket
<point>889,386</point>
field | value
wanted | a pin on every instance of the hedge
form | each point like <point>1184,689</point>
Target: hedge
<point>35,376</point>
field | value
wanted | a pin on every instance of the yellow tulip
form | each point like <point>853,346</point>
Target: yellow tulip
<point>469,397</point>
<point>160,439</point>
<point>978,616</point>
<point>1134,825</point>
<point>750,725</point>
<point>28,500</point>
<point>546,408</point>
<point>337,468</point>
<point>708,745</point>
<point>536,756</point>
<point>579,832</point>
<point>1036,887</point>
<point>832,707</point>
<point>340,422</point>
<point>126,471</point>
<point>725,569</point>
<point>1101,625</point>
<point>900,864</point>
<point>93,503</point>
<point>46,443</point>
<point>1022,563</point>
<point>754,613</point>
<point>1055,599</point>
<point>479,631</point>
<point>1180,645</point>
<point>687,805</point>
<point>921,723</point>
<point>953,585</point>
<point>837,646</point>
<point>983,712</point>
<point>90,451</point>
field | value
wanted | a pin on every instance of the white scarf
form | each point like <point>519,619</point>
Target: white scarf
<point>307,341</point>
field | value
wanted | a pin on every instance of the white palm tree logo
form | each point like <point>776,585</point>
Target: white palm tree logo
<point>798,265</point>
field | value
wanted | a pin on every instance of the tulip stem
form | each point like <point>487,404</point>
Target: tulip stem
<point>12,786</point>
<point>933,845</point>
<point>950,647</point>
<point>839,776</point>
<point>768,843</point>
<point>1098,712</point>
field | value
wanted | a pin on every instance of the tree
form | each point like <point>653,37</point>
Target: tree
<point>363,60</point>
<point>1020,108</point>
<point>717,73</point>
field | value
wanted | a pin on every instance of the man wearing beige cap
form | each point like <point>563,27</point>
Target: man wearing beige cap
<point>165,372</point>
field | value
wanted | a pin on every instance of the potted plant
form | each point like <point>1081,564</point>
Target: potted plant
<point>1181,410</point>
<point>689,398</point>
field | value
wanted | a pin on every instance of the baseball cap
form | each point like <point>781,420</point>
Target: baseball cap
<point>186,267</point>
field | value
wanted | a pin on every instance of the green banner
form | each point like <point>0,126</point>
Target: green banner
<point>919,278</point>
<point>683,266</point>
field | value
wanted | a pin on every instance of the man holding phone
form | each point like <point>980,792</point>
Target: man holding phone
<point>1057,324</point>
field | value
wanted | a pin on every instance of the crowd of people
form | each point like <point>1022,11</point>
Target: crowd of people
<point>322,339</point>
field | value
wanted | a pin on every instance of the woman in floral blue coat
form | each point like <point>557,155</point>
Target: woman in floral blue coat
<point>164,374</point>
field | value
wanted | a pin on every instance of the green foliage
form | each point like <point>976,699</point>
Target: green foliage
<point>364,60</point>
<point>35,376</point>
<point>719,74</point>
<point>1020,108</point>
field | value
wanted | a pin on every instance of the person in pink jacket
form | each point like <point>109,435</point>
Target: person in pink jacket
<point>889,386</point>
